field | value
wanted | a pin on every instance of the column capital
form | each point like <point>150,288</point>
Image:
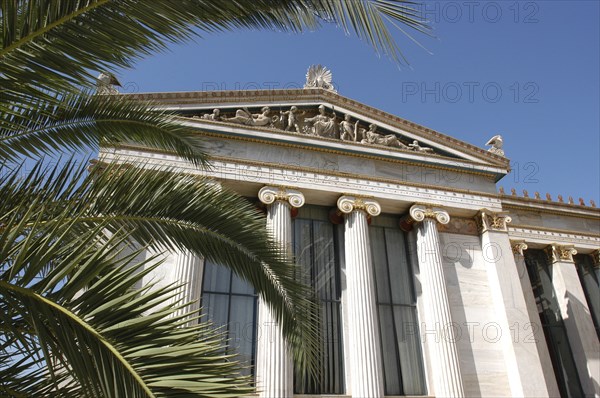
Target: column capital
<point>270,194</point>
<point>347,204</point>
<point>492,221</point>
<point>557,253</point>
<point>518,247</point>
<point>596,258</point>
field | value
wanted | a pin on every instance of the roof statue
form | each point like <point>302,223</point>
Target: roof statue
<point>319,76</point>
<point>107,83</point>
<point>496,143</point>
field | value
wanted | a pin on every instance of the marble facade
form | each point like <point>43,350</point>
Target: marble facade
<point>480,327</point>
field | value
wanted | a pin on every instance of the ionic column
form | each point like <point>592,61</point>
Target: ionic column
<point>274,366</point>
<point>364,347</point>
<point>576,317</point>
<point>447,380</point>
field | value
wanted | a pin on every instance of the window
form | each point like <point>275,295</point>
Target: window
<point>316,250</point>
<point>589,280</point>
<point>540,275</point>
<point>231,302</point>
<point>396,305</point>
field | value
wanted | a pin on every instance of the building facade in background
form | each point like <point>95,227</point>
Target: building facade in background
<point>432,283</point>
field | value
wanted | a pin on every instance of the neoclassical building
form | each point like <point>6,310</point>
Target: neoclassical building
<point>432,283</point>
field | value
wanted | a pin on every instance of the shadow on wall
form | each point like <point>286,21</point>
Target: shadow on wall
<point>468,367</point>
<point>576,307</point>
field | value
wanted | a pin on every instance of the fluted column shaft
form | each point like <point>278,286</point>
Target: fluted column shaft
<point>576,317</point>
<point>447,378</point>
<point>274,366</point>
<point>365,352</point>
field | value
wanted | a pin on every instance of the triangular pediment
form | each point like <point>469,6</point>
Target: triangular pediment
<point>318,117</point>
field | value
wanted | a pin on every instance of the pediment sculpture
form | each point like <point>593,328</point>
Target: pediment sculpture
<point>319,123</point>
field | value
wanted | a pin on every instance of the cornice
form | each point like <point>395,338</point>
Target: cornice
<point>561,209</point>
<point>212,98</point>
<point>552,230</point>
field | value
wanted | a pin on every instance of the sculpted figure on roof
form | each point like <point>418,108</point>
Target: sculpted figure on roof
<point>322,125</point>
<point>215,115</point>
<point>244,116</point>
<point>496,142</point>
<point>319,76</point>
<point>416,147</point>
<point>292,119</point>
<point>348,131</point>
<point>372,137</point>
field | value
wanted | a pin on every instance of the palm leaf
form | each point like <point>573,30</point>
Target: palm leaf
<point>127,344</point>
<point>163,211</point>
<point>128,30</point>
<point>80,121</point>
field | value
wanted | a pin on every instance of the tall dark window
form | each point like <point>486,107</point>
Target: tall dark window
<point>397,311</point>
<point>230,302</point>
<point>588,275</point>
<point>540,275</point>
<point>316,251</point>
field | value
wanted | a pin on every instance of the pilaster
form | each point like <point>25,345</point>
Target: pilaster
<point>274,366</point>
<point>523,363</point>
<point>364,345</point>
<point>576,316</point>
<point>447,380</point>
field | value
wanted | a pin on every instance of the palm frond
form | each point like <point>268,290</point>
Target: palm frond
<point>90,326</point>
<point>127,30</point>
<point>166,211</point>
<point>80,121</point>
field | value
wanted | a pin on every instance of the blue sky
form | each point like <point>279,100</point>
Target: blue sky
<point>529,70</point>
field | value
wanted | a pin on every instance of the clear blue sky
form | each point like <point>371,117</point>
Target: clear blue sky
<point>528,70</point>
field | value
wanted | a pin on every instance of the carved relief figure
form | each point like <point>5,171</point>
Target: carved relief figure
<point>416,147</point>
<point>322,125</point>
<point>215,115</point>
<point>348,131</point>
<point>372,137</point>
<point>244,116</point>
<point>292,119</point>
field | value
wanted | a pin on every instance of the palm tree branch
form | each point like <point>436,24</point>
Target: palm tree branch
<point>73,319</point>
<point>165,210</point>
<point>146,28</point>
<point>48,27</point>
<point>79,121</point>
